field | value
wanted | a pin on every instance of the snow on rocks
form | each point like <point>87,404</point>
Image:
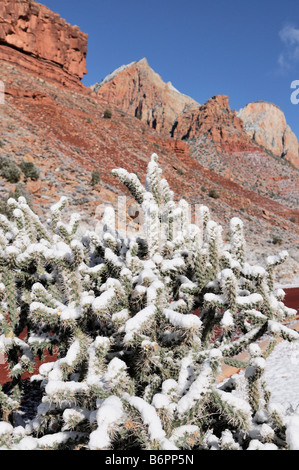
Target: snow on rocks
<point>292,432</point>
<point>281,375</point>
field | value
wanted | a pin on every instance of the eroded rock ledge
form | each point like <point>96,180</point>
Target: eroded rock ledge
<point>34,37</point>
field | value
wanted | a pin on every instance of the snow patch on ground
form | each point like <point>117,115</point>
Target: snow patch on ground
<point>282,374</point>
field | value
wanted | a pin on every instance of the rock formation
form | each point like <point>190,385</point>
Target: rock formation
<point>137,90</point>
<point>31,31</point>
<point>266,124</point>
<point>141,92</point>
<point>215,121</point>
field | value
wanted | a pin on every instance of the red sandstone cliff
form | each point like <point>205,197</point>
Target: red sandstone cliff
<point>215,121</point>
<point>40,41</point>
<point>141,92</point>
<point>29,31</point>
<point>266,124</point>
<point>137,90</point>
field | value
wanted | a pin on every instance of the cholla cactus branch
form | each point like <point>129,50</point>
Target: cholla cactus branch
<point>140,327</point>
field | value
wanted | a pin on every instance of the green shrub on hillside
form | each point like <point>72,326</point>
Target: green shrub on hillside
<point>95,177</point>
<point>107,114</point>
<point>30,170</point>
<point>9,170</point>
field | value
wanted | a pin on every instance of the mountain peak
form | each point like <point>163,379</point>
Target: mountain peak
<point>139,91</point>
<point>143,61</point>
<point>266,124</point>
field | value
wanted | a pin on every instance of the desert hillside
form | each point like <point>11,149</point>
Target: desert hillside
<point>208,152</point>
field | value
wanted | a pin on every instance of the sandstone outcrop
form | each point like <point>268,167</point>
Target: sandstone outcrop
<point>30,31</point>
<point>214,121</point>
<point>266,124</point>
<point>139,91</point>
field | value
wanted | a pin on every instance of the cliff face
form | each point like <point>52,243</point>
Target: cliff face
<point>137,90</point>
<point>214,121</point>
<point>266,124</point>
<point>31,31</point>
<point>140,92</point>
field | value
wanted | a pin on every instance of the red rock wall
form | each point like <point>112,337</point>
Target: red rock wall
<point>37,32</point>
<point>141,92</point>
<point>215,121</point>
<point>266,124</point>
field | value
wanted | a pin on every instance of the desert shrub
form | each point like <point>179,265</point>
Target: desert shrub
<point>107,114</point>
<point>134,367</point>
<point>214,194</point>
<point>12,172</point>
<point>276,240</point>
<point>9,170</point>
<point>95,177</point>
<point>30,170</point>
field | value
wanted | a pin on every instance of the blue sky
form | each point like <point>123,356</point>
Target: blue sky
<point>246,49</point>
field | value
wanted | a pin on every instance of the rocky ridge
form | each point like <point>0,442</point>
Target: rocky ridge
<point>139,91</point>
<point>266,124</point>
<point>216,121</point>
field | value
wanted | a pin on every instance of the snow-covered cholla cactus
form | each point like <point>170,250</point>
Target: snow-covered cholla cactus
<point>134,367</point>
